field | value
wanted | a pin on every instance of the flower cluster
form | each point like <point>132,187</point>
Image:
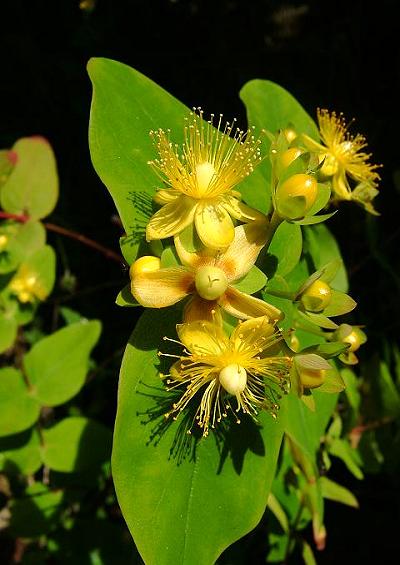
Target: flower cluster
<point>235,358</point>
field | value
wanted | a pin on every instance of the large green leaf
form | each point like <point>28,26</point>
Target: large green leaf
<point>270,107</point>
<point>76,444</point>
<point>19,410</point>
<point>57,365</point>
<point>32,187</point>
<point>184,500</point>
<point>126,106</point>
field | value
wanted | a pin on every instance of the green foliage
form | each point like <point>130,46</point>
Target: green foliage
<point>32,186</point>
<point>164,476</point>
<point>19,408</point>
<point>76,444</point>
<point>57,365</point>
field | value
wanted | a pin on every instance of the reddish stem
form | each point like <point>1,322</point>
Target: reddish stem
<point>18,217</point>
<point>109,253</point>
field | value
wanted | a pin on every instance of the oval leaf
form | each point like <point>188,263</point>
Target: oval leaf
<point>32,187</point>
<point>57,365</point>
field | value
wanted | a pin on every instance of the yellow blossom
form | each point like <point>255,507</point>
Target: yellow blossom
<point>200,178</point>
<point>242,369</point>
<point>26,286</point>
<point>209,278</point>
<point>344,160</point>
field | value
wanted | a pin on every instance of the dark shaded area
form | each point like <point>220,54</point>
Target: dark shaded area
<point>343,56</point>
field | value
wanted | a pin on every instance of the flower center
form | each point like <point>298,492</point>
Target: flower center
<point>204,175</point>
<point>211,282</point>
<point>233,378</point>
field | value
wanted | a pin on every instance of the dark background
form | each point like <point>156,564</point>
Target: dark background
<point>343,56</point>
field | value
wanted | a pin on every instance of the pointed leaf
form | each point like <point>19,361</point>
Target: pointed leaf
<point>210,492</point>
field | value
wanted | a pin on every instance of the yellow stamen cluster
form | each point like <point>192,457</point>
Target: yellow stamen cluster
<point>231,375</point>
<point>214,158</point>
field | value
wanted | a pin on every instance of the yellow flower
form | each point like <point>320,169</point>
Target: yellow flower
<point>200,179</point>
<point>344,160</point>
<point>26,286</point>
<point>226,369</point>
<point>208,277</point>
<point>3,242</point>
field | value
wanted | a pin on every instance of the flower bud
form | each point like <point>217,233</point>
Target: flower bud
<point>289,204</point>
<point>211,282</point>
<point>352,335</point>
<point>233,378</point>
<point>145,264</point>
<point>286,158</point>
<point>312,378</point>
<point>317,296</point>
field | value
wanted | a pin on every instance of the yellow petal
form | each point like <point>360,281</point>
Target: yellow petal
<point>244,306</point>
<point>199,309</point>
<point>171,219</point>
<point>214,225</point>
<point>164,196</point>
<point>202,338</point>
<point>340,186</point>
<point>252,330</point>
<point>241,255</point>
<point>163,287</point>
<point>241,211</point>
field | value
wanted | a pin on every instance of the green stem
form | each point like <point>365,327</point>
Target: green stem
<point>274,223</point>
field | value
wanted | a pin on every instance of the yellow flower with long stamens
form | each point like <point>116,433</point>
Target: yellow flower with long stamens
<point>242,369</point>
<point>200,179</point>
<point>344,160</point>
<point>209,278</point>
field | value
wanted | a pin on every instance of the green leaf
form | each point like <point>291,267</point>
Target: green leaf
<point>302,425</point>
<point>23,240</point>
<point>307,553</point>
<point>310,220</point>
<point>70,316</point>
<point>35,513</point>
<point>323,248</point>
<point>279,513</point>
<point>208,492</point>
<point>8,331</point>
<point>76,444</point>
<point>334,491</point>
<point>20,453</point>
<point>119,139</point>
<point>318,319</point>
<point>352,388</point>
<point>259,97</point>
<point>19,410</point>
<point>32,187</point>
<point>254,281</point>
<point>323,196</point>
<point>285,250</point>
<point>57,365</point>
<point>342,449</point>
<point>169,257</point>
<point>339,304</point>
<point>125,297</point>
